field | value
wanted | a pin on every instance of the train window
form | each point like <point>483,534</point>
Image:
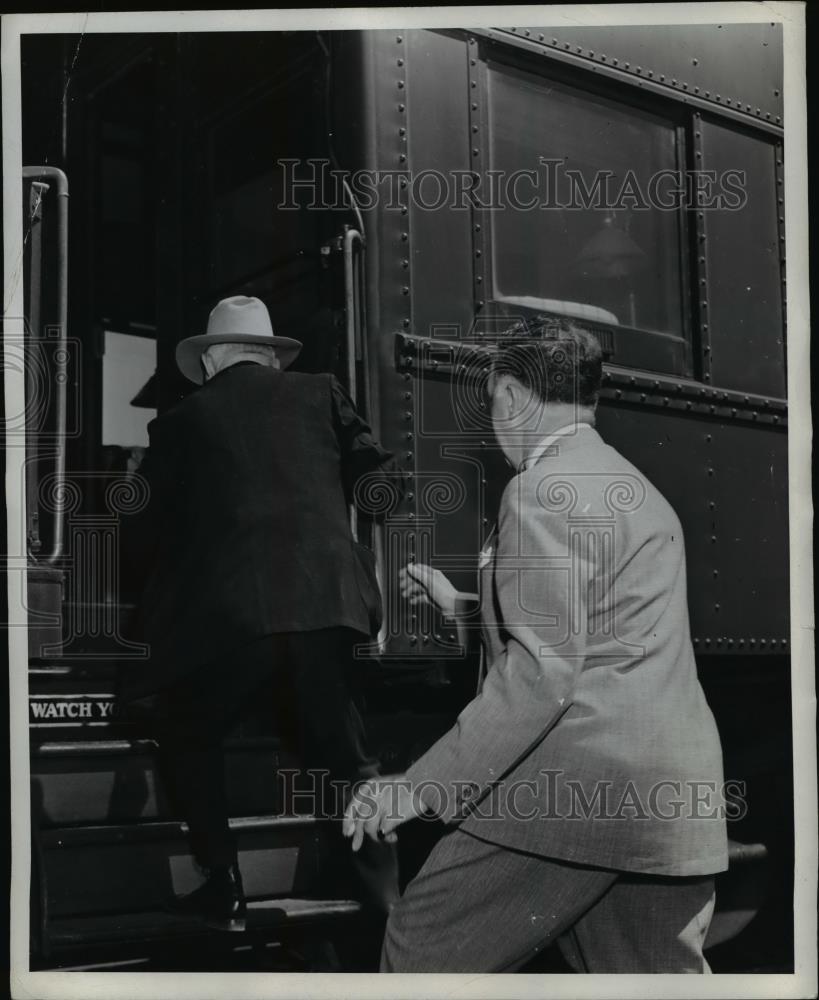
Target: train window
<point>595,243</point>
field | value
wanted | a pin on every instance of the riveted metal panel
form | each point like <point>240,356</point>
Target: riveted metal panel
<point>479,155</point>
<point>450,475</point>
<point>394,109</point>
<point>693,398</point>
<point>438,156</point>
<point>727,481</point>
<point>426,274</point>
<point>460,474</point>
<point>700,289</point>
<point>384,116</point>
<point>704,64</point>
<point>660,422</point>
<point>744,248</point>
<point>719,457</point>
<point>722,467</point>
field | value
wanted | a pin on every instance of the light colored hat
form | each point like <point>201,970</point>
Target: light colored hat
<point>240,319</point>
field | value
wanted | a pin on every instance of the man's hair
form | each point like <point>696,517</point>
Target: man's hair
<point>220,353</point>
<point>558,361</point>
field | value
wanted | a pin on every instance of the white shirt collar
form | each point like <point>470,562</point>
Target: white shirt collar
<point>545,443</point>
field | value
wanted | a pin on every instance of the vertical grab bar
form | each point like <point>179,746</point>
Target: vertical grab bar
<point>352,237</point>
<point>356,337</point>
<point>36,195</point>
<point>61,183</point>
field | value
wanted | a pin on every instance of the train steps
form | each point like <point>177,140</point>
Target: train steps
<point>740,892</point>
<point>118,914</point>
<point>300,930</point>
<point>118,780</point>
<point>104,889</point>
<point>108,856</point>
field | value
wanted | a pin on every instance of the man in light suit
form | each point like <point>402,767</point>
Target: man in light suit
<point>582,787</point>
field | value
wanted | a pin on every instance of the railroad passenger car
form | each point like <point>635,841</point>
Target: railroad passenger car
<point>397,198</point>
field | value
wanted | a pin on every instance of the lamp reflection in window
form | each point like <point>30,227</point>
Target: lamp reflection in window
<point>612,258</point>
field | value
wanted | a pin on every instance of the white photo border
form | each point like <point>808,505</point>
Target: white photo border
<point>203,986</point>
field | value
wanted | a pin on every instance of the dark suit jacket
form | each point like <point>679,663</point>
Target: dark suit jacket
<point>247,521</point>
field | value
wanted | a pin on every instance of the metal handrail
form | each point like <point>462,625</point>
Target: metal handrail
<point>350,239</point>
<point>356,335</point>
<point>61,182</point>
<point>37,193</point>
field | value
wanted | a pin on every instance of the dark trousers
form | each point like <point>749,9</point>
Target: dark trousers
<point>304,676</point>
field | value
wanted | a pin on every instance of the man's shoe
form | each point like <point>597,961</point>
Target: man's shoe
<point>219,901</point>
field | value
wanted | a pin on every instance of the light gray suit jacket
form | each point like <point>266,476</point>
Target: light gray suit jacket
<point>591,740</point>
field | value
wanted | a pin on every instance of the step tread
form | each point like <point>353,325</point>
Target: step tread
<point>151,925</point>
<point>739,854</point>
<point>119,833</point>
<point>138,745</point>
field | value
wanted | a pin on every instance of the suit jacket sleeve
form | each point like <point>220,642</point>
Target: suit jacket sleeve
<point>543,604</point>
<point>360,452</point>
<point>467,607</point>
<point>141,528</point>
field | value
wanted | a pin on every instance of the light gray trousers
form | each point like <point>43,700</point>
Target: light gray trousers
<point>480,907</point>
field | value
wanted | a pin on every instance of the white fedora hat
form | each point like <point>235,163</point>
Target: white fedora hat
<point>240,319</point>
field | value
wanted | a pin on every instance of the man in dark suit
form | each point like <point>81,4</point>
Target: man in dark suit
<point>253,576</point>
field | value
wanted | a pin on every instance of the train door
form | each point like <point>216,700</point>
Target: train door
<point>173,145</point>
<point>170,144</point>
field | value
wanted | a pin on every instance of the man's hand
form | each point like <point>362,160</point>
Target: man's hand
<point>378,806</point>
<point>420,582</point>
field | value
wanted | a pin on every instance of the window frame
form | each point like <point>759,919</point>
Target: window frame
<point>490,51</point>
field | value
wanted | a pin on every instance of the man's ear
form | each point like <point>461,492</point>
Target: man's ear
<point>512,402</point>
<point>206,361</point>
<point>520,397</point>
